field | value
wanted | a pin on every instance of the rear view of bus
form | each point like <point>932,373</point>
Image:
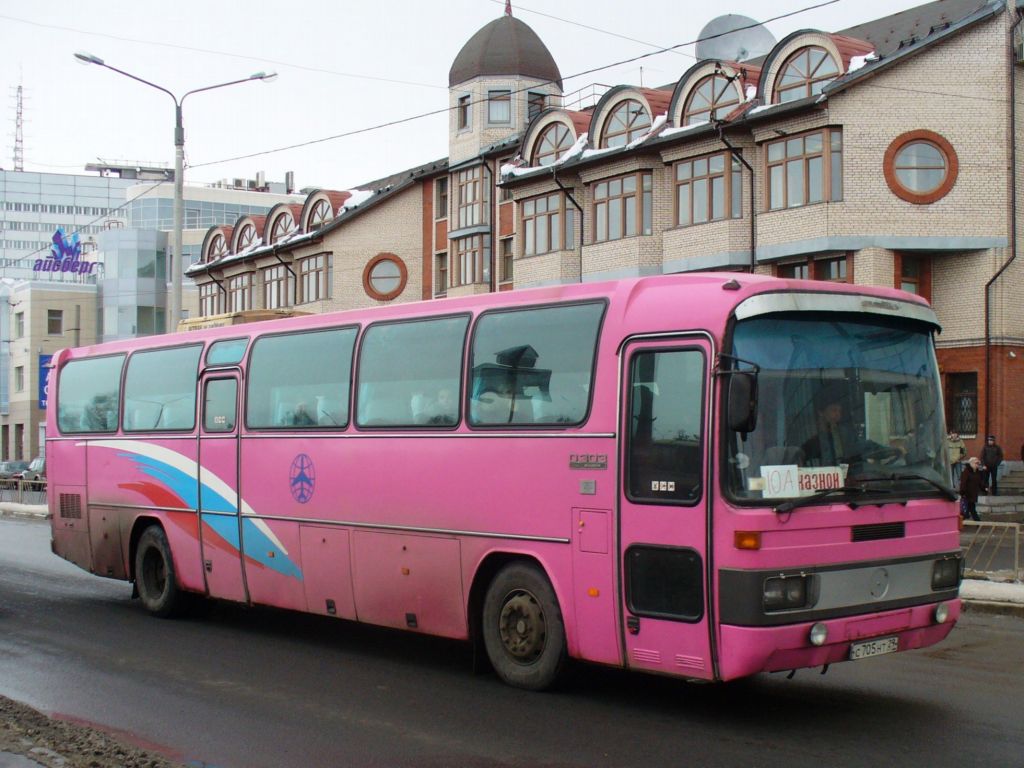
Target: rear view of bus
<point>837,537</point>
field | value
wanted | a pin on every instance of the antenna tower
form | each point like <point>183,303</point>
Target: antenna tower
<point>19,138</point>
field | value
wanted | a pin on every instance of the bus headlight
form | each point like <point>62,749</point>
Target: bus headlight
<point>785,593</point>
<point>946,573</point>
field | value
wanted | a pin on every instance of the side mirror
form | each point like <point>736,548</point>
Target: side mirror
<point>741,408</point>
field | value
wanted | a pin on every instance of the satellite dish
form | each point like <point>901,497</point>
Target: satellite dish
<point>733,38</point>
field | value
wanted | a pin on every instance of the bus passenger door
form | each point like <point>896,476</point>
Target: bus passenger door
<point>664,507</point>
<point>218,488</point>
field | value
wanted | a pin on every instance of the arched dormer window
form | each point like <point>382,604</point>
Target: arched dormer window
<point>246,237</point>
<point>628,121</point>
<point>282,225</point>
<point>714,97</point>
<point>805,73</point>
<point>320,215</point>
<point>218,247</point>
<point>553,142</point>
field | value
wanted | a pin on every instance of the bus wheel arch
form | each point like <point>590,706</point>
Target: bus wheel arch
<point>516,620</point>
<point>153,570</point>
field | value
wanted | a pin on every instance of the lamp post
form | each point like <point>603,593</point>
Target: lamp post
<point>174,313</point>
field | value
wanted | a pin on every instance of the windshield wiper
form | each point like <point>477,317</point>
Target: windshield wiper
<point>814,498</point>
<point>948,492</point>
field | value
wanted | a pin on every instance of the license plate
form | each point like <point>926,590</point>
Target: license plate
<point>874,647</point>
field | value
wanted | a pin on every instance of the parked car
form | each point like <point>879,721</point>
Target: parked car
<point>12,469</point>
<point>36,470</point>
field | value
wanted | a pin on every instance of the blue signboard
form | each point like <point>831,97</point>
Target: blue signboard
<point>44,380</point>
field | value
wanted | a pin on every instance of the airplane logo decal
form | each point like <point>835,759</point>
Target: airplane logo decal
<point>302,478</point>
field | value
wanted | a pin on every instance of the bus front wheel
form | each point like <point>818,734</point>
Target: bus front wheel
<point>523,629</point>
<point>154,574</point>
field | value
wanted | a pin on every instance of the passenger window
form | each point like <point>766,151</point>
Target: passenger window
<point>300,380</point>
<point>220,405</point>
<point>88,395</point>
<point>160,390</point>
<point>666,426</point>
<point>409,373</point>
<point>534,366</point>
<point>227,352</point>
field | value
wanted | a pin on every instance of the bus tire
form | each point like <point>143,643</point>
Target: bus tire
<point>154,574</point>
<point>522,628</point>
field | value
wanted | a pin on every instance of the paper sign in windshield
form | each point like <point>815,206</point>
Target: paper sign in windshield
<point>789,480</point>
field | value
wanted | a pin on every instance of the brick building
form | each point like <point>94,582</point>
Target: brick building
<point>884,154</point>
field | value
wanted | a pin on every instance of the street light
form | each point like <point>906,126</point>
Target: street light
<point>179,169</point>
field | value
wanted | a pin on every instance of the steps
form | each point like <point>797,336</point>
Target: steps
<point>1008,506</point>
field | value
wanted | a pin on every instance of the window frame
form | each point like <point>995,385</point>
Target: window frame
<point>281,226</point>
<point>240,292</point>
<point>470,197</point>
<point>54,322</point>
<point>278,287</point>
<point>890,168</point>
<point>629,128</point>
<point>547,151</point>
<point>314,271</point>
<point>372,264</point>
<point>210,299</point>
<point>497,97</point>
<point>555,223</point>
<point>809,80</point>
<point>474,269</point>
<point>246,237</point>
<point>714,103</point>
<point>830,155</point>
<point>464,112</point>
<point>441,197</point>
<point>320,214</point>
<point>643,200</point>
<point>732,188</point>
<point>127,370</point>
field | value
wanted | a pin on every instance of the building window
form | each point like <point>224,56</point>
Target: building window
<point>535,104</point>
<point>506,260</point>
<point>315,278</point>
<point>209,300</point>
<point>805,169</point>
<point>499,107</point>
<point>914,275</point>
<point>706,192</point>
<point>546,224</point>
<point>320,215</point>
<point>218,247</point>
<point>19,378</point>
<point>805,73</point>
<point>833,270</point>
<point>622,207</point>
<point>441,187</point>
<point>54,322</point>
<point>473,265</point>
<point>19,324</point>
<point>246,238</point>
<point>385,277</point>
<point>962,403</point>
<point>799,271</point>
<point>553,142</point>
<point>462,112</point>
<point>920,167</point>
<point>470,197</point>
<point>441,274</point>
<point>239,293</point>
<point>628,121</point>
<point>277,287</point>
<point>282,226</point>
<point>711,99</point>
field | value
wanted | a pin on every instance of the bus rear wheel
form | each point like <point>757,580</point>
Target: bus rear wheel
<point>523,630</point>
<point>154,574</point>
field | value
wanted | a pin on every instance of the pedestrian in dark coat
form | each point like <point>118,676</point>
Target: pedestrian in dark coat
<point>972,485</point>
<point>991,458</point>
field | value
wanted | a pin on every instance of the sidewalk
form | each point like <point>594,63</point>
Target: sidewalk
<point>977,594</point>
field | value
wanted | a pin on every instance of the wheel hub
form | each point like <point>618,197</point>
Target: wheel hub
<point>522,627</point>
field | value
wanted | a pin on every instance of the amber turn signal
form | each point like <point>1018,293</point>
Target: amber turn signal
<point>747,539</point>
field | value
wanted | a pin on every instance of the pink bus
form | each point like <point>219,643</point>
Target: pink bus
<point>706,475</point>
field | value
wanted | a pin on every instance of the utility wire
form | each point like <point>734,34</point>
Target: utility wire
<point>422,115</point>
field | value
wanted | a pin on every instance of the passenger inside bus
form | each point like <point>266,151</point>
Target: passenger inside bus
<point>837,440</point>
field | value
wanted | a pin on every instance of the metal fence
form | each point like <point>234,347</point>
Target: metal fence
<point>23,491</point>
<point>993,550</point>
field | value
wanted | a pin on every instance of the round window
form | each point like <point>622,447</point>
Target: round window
<point>385,276</point>
<point>920,167</point>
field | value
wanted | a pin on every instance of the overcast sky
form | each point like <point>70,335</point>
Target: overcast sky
<point>343,67</point>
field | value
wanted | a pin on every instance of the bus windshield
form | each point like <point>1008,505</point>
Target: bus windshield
<point>844,401</point>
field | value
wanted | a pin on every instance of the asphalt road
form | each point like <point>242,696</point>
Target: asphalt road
<point>247,688</point>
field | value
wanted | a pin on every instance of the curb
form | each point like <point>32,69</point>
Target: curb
<point>993,608</point>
